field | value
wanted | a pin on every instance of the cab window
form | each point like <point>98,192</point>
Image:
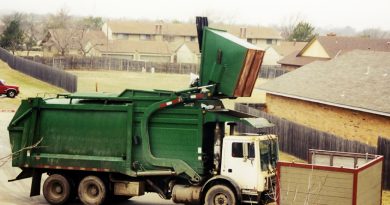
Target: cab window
<point>238,149</point>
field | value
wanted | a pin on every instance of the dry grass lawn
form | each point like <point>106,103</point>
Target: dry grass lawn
<point>117,81</point>
<point>385,197</point>
<point>28,86</point>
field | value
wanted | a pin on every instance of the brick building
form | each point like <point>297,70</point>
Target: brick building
<point>347,96</point>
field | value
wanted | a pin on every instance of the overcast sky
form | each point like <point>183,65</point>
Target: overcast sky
<point>359,14</point>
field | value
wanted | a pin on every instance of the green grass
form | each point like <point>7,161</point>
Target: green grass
<point>28,86</point>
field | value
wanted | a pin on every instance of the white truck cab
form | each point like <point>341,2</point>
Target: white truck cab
<point>250,161</point>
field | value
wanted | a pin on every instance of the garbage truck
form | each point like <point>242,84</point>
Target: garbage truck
<point>182,145</point>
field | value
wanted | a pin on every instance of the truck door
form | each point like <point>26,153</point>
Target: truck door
<point>239,164</point>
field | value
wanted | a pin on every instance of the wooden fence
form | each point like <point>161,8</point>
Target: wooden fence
<point>297,139</point>
<point>271,72</point>
<point>384,150</point>
<point>107,63</point>
<point>40,71</point>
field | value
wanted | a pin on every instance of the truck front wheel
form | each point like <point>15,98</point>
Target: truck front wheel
<point>220,195</point>
<point>56,189</point>
<point>92,191</point>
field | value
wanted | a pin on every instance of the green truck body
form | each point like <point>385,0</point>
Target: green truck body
<point>139,134</point>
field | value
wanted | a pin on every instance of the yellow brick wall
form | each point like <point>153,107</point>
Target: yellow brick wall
<point>361,126</point>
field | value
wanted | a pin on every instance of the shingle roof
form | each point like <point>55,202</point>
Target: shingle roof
<point>292,59</point>
<point>259,32</point>
<point>189,29</point>
<point>149,27</point>
<point>193,46</point>
<point>337,45</point>
<point>287,47</point>
<point>127,46</point>
<point>357,80</point>
<point>73,37</point>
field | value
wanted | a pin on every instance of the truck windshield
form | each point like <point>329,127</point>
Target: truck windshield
<point>268,154</point>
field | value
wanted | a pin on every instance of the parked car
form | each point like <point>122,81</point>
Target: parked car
<point>10,90</point>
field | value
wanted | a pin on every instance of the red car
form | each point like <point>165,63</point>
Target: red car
<point>9,90</point>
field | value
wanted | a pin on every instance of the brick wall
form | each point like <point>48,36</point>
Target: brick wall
<point>364,127</point>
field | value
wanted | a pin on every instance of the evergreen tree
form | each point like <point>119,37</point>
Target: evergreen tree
<point>302,32</point>
<point>12,37</point>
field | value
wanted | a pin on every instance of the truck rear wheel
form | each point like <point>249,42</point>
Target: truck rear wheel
<point>92,190</point>
<point>56,189</point>
<point>220,195</point>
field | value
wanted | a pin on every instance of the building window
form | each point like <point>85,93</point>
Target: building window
<point>193,38</point>
<point>249,40</point>
<point>168,38</point>
<point>269,41</point>
<point>121,36</point>
<point>145,37</point>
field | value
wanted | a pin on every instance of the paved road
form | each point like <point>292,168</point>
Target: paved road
<point>17,193</point>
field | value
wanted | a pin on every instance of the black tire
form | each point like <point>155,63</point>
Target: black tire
<point>56,189</point>
<point>92,191</point>
<point>220,195</point>
<point>11,93</point>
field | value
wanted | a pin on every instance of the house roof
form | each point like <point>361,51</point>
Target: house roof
<point>259,32</point>
<point>189,29</point>
<point>288,47</point>
<point>357,80</point>
<point>74,37</point>
<point>149,27</point>
<point>192,46</point>
<point>292,59</point>
<point>337,45</point>
<point>127,46</point>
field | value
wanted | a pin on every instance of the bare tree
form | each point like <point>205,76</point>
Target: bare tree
<point>61,19</point>
<point>63,39</point>
<point>31,31</point>
<point>62,31</point>
<point>85,35</point>
<point>86,42</point>
<point>374,33</point>
<point>288,25</point>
